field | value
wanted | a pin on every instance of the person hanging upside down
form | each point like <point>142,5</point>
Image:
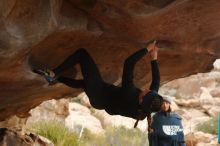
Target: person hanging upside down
<point>127,100</point>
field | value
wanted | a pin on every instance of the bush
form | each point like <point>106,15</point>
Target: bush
<point>90,139</point>
<point>61,136</point>
<point>116,137</point>
<point>123,136</point>
<point>210,126</point>
<point>56,132</point>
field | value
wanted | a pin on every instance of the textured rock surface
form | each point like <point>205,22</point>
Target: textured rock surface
<point>80,117</point>
<point>18,138</point>
<point>13,122</point>
<point>52,110</point>
<point>217,64</point>
<point>118,121</point>
<point>42,33</point>
<point>201,139</point>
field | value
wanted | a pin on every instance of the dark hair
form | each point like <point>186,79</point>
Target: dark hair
<point>152,102</point>
<point>169,110</point>
<point>156,103</point>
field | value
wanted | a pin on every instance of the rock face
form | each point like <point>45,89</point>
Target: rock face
<point>52,110</point>
<point>201,139</point>
<point>80,117</point>
<point>42,33</point>
<point>17,138</point>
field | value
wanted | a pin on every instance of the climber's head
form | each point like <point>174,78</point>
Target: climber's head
<point>152,102</point>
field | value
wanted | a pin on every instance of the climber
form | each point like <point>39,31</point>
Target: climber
<point>126,100</point>
<point>166,127</point>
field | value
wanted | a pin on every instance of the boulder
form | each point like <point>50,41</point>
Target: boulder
<point>199,138</point>
<point>211,110</point>
<point>52,110</point>
<point>205,97</point>
<point>215,92</point>
<point>80,118</point>
<point>84,100</point>
<point>13,122</point>
<point>118,121</point>
<point>216,65</point>
<point>190,87</point>
<point>192,103</point>
<point>191,118</point>
<point>14,137</point>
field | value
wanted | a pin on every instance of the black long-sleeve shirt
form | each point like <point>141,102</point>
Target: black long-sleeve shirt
<point>125,100</point>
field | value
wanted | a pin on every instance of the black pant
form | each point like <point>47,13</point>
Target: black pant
<point>92,81</point>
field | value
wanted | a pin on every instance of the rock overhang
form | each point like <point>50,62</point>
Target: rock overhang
<point>43,33</point>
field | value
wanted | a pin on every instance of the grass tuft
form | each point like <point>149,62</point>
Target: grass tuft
<point>56,132</point>
<point>61,136</point>
<point>210,126</point>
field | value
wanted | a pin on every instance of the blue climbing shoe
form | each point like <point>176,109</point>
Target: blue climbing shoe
<point>46,74</point>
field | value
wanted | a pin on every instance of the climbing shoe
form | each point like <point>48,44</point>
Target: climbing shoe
<point>46,74</point>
